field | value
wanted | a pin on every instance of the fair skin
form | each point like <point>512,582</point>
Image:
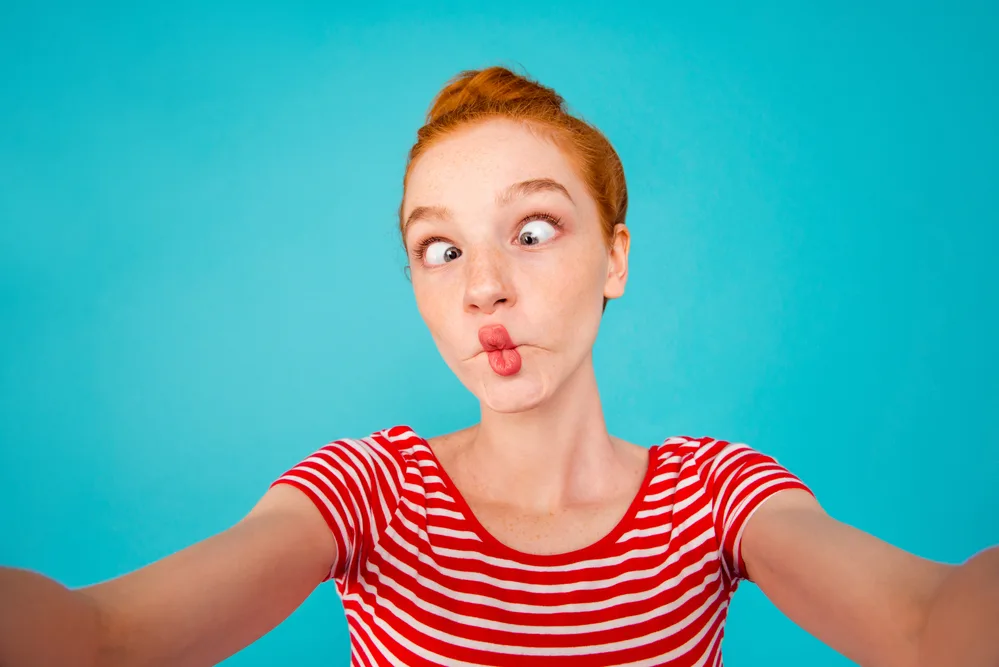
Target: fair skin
<point>556,479</point>
<point>540,471</point>
<point>195,607</point>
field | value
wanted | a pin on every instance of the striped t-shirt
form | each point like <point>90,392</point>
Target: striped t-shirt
<point>423,583</point>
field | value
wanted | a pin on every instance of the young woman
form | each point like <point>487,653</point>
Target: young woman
<point>534,537</point>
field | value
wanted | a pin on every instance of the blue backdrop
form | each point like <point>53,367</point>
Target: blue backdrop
<point>201,281</point>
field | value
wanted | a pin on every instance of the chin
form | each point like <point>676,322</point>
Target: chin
<point>518,393</point>
<point>539,378</point>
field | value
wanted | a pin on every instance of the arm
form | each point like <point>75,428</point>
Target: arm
<point>195,607</point>
<point>963,623</point>
<point>863,597</point>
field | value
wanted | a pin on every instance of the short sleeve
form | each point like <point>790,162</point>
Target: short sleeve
<point>739,479</point>
<point>355,485</point>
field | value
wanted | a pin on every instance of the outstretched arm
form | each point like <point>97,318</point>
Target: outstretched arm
<point>195,607</point>
<point>963,624</point>
<point>876,604</point>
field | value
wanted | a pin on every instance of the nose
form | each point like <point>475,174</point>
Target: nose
<point>487,284</point>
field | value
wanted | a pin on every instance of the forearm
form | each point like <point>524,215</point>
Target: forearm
<point>962,627</point>
<point>44,623</point>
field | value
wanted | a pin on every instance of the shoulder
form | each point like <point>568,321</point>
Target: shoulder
<point>398,446</point>
<point>444,447</point>
<point>382,455</point>
<point>399,441</point>
<point>704,450</point>
<point>722,465</point>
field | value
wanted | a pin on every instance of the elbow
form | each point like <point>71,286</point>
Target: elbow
<point>42,622</point>
<point>101,644</point>
<point>959,628</point>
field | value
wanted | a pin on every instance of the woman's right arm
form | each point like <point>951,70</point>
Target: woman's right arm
<point>194,607</point>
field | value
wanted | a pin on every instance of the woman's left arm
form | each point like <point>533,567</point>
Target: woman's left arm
<point>876,604</point>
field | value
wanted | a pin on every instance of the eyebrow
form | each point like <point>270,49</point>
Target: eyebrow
<point>522,189</point>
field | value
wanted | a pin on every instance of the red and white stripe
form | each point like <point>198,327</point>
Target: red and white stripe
<point>423,583</point>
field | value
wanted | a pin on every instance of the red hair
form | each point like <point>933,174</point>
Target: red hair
<point>476,95</point>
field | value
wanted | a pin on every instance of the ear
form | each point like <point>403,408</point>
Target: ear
<point>617,267</point>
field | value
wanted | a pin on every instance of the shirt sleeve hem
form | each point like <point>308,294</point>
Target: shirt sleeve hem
<point>755,504</point>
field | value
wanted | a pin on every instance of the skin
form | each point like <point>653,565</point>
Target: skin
<point>539,471</point>
<point>194,607</point>
<point>556,479</point>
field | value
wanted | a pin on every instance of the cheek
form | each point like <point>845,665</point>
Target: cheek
<point>574,284</point>
<point>428,301</point>
<point>435,301</point>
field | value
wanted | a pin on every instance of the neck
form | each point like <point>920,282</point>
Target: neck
<point>556,454</point>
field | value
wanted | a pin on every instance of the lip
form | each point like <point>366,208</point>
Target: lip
<point>493,337</point>
<point>496,341</point>
<point>482,352</point>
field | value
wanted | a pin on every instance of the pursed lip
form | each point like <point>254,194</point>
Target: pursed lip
<point>483,347</point>
<point>515,346</point>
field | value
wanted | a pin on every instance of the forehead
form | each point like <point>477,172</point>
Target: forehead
<point>473,164</point>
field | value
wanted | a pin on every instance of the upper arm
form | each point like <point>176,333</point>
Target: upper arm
<point>205,602</point>
<point>355,485</point>
<point>863,597</point>
<point>738,480</point>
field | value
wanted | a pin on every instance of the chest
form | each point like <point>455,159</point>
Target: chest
<point>569,529</point>
<point>640,597</point>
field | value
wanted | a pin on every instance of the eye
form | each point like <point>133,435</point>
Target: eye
<point>536,232</point>
<point>440,252</point>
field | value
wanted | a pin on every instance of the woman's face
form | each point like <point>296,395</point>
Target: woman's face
<point>509,264</point>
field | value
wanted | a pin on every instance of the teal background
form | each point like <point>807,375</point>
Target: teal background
<point>201,282</point>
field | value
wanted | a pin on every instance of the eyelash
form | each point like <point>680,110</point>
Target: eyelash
<point>421,249</point>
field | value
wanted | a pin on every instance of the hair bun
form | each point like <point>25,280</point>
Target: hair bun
<point>494,89</point>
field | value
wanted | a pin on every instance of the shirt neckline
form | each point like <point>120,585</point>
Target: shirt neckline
<point>586,552</point>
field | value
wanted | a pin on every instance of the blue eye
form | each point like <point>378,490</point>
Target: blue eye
<point>536,232</point>
<point>440,252</point>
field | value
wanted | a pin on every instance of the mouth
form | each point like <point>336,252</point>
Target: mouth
<point>496,343</point>
<point>495,337</point>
